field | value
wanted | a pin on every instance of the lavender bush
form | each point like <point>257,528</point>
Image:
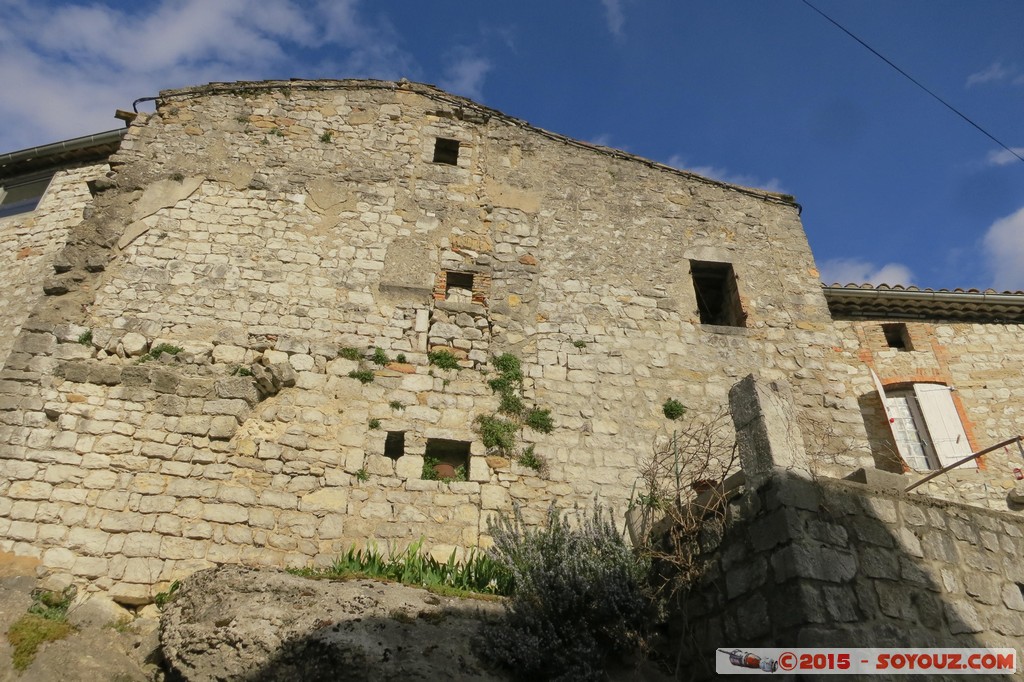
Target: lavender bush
<point>578,597</point>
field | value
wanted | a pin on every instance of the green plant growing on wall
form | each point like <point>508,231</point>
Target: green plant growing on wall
<point>374,424</point>
<point>350,353</point>
<point>156,351</point>
<point>396,405</point>
<point>164,598</point>
<point>579,343</point>
<point>401,358</point>
<point>363,475</point>
<point>379,357</point>
<point>326,137</point>
<point>46,621</point>
<point>673,409</point>
<point>499,431</point>
<point>241,371</point>
<point>85,338</point>
<point>364,376</point>
<point>443,359</point>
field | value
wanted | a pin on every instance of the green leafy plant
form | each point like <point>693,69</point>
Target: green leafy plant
<point>497,433</point>
<point>579,597</point>
<point>401,358</point>
<point>673,409</point>
<point>85,338</point>
<point>396,405</point>
<point>374,423</point>
<point>379,357</point>
<point>443,359</point>
<point>178,177</point>
<point>528,458</point>
<point>540,419</point>
<point>162,599</point>
<point>241,371</point>
<point>579,343</point>
<point>349,353</point>
<point>326,137</point>
<point>365,376</point>
<point>276,131</point>
<point>158,350</point>
<point>477,574</point>
<point>46,621</point>
<point>363,475</point>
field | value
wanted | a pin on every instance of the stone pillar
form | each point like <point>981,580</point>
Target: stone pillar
<point>767,434</point>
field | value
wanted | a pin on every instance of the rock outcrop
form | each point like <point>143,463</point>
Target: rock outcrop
<point>234,623</point>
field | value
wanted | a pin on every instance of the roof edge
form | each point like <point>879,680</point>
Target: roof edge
<point>38,155</point>
<point>940,305</point>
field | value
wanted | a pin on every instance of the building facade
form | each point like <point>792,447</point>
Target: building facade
<point>260,331</point>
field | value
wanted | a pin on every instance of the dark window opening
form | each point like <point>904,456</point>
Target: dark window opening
<point>394,444</point>
<point>718,298</point>
<point>458,280</point>
<point>449,457</point>
<point>897,336</point>
<point>23,195</point>
<point>446,151</point>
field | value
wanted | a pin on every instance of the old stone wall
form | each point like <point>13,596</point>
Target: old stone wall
<point>819,562</point>
<point>834,563</point>
<point>29,243</point>
<point>276,232</point>
<point>983,362</point>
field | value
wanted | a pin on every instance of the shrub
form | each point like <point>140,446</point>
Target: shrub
<point>497,433</point>
<point>365,376</point>
<point>579,343</point>
<point>444,359</point>
<point>540,420</point>
<point>363,475</point>
<point>374,423</point>
<point>578,597</point>
<point>241,371</point>
<point>396,405</point>
<point>31,630</point>
<point>85,338</point>
<point>673,409</point>
<point>379,357</point>
<point>156,351</point>
<point>349,353</point>
<point>326,137</point>
<point>401,358</point>
<point>511,404</point>
<point>528,458</point>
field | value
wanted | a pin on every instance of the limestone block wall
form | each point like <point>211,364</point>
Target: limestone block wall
<point>270,228</point>
<point>30,241</point>
<point>834,563</point>
<point>983,362</point>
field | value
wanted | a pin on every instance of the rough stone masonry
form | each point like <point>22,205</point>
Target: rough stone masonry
<point>279,233</point>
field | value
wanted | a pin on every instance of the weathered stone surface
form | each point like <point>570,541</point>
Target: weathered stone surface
<point>237,624</point>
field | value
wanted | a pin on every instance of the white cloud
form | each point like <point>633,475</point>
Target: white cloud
<point>465,74</point>
<point>1004,245</point>
<point>67,66</point>
<point>854,271</point>
<point>1004,157</point>
<point>614,17</point>
<point>992,73</point>
<point>725,175</point>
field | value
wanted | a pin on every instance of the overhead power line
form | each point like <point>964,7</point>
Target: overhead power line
<point>915,81</point>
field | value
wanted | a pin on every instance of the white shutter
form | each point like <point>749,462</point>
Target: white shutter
<point>943,421</point>
<point>904,455</point>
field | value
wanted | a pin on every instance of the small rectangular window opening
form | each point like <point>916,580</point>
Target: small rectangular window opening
<point>718,298</point>
<point>394,444</point>
<point>23,196</point>
<point>458,280</point>
<point>897,336</point>
<point>449,455</point>
<point>446,151</point>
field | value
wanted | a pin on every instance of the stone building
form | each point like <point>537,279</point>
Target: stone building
<point>315,256</point>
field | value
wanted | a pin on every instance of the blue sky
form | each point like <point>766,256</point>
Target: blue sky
<point>895,187</point>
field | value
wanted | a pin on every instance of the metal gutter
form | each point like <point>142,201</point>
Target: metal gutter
<point>55,148</point>
<point>1006,299</point>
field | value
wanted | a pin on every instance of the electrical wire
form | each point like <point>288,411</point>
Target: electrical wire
<point>915,81</point>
